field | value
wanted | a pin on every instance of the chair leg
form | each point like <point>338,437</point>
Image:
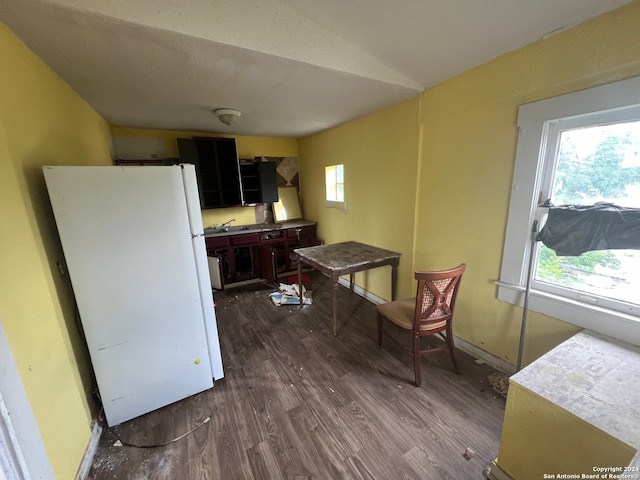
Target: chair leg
<point>417,370</point>
<point>451,350</point>
<point>380,320</point>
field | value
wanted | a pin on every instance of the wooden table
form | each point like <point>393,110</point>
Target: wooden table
<point>339,259</point>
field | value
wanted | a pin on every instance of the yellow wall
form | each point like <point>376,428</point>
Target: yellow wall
<point>539,437</point>
<point>429,178</point>
<point>248,147</point>
<point>43,121</point>
<point>380,157</point>
<point>465,160</point>
<point>468,156</point>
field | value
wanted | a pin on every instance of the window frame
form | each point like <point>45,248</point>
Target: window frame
<point>616,101</point>
<point>555,129</point>
<point>329,202</point>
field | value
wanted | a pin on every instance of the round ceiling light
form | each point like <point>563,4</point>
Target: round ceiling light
<point>228,116</point>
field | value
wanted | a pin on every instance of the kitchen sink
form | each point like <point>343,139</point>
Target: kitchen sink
<point>242,228</point>
<point>235,228</point>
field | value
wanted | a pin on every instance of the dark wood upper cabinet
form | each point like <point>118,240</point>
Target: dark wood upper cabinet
<point>223,180</point>
<point>259,182</point>
<point>217,169</point>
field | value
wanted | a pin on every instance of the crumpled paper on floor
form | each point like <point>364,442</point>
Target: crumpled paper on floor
<point>289,295</point>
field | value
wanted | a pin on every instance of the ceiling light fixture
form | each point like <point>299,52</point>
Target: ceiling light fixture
<point>228,116</point>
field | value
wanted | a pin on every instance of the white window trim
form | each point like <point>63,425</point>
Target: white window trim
<point>334,203</point>
<point>533,120</point>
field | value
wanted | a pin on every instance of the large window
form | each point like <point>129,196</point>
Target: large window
<point>586,164</point>
<point>578,149</point>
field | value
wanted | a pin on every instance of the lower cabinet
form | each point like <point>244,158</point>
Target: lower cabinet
<point>259,255</point>
<point>241,254</point>
<point>244,261</point>
<point>267,263</point>
<point>275,254</point>
<point>299,237</point>
<point>272,254</point>
<point>218,248</point>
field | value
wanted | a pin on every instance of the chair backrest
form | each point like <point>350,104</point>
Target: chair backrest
<point>436,299</point>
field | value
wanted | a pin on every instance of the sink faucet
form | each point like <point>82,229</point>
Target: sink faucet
<point>227,223</point>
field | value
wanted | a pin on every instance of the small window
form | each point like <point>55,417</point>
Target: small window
<point>334,177</point>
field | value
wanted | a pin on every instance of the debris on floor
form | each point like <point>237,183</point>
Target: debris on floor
<point>468,454</point>
<point>500,383</point>
<point>289,295</point>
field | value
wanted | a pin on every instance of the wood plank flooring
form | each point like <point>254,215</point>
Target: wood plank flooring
<point>298,403</point>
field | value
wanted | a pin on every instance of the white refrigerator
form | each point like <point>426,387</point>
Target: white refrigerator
<point>134,247</point>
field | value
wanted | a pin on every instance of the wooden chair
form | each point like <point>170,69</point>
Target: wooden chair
<point>430,313</point>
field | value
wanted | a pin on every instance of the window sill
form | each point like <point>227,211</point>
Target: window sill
<point>332,204</point>
<point>615,324</point>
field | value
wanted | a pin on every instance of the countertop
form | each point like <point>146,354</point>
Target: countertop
<point>256,228</point>
<point>595,378</point>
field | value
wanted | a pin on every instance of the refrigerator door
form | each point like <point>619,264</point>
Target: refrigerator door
<point>202,268</point>
<point>126,237</point>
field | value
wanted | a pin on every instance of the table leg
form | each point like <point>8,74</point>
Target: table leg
<point>394,281</point>
<point>300,280</point>
<point>334,306</point>
<point>352,278</point>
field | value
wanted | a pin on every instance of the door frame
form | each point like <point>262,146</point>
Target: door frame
<point>22,452</point>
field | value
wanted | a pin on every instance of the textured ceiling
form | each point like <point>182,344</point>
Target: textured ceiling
<point>293,67</point>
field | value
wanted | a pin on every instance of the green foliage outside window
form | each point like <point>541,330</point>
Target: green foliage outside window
<point>564,271</point>
<point>602,175</point>
<point>599,176</point>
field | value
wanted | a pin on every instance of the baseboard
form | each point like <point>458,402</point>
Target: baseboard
<point>463,345</point>
<point>492,360</point>
<point>87,459</point>
<point>494,472</point>
<point>362,292</point>
<point>228,286</point>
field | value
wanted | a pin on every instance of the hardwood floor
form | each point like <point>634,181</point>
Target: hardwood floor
<point>297,402</point>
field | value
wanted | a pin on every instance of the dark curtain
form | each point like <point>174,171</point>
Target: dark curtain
<point>572,230</point>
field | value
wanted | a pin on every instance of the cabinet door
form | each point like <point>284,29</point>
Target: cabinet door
<point>250,181</point>
<point>267,263</point>
<point>229,170</point>
<point>243,239</point>
<point>217,169</point>
<point>189,154</point>
<point>268,182</point>
<point>299,237</point>
<point>259,182</point>
<point>215,272</point>
<point>304,236</point>
<point>227,264</point>
<point>215,243</point>
<point>207,170</point>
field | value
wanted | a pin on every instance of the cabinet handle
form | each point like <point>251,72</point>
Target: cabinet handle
<point>298,230</point>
